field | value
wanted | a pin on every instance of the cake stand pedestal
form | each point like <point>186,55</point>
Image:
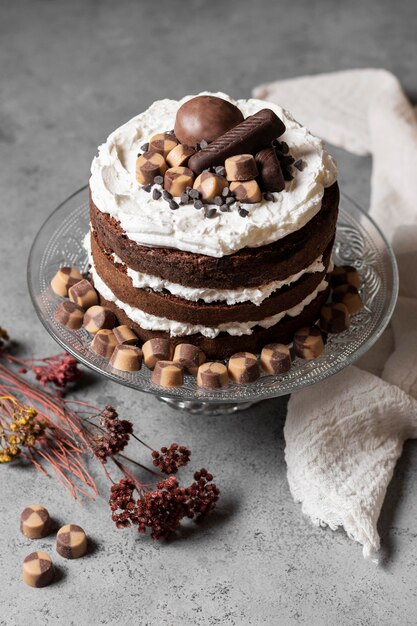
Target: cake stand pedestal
<point>205,408</point>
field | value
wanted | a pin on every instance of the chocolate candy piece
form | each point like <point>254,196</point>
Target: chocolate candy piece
<point>308,343</point>
<point>167,374</point>
<point>126,358</point>
<point>209,185</point>
<point>162,143</point>
<point>98,317</point>
<point>334,318</point>
<point>250,136</point>
<point>246,191</point>
<point>212,376</point>
<point>104,342</point>
<point>205,118</point>
<point>243,367</point>
<point>125,335</point>
<point>189,357</point>
<point>275,358</point>
<point>345,274</point>
<point>349,296</point>
<point>65,278</point>
<point>177,179</point>
<point>83,294</point>
<point>241,167</point>
<point>270,173</point>
<point>149,165</point>
<point>38,569</point>
<point>69,314</point>
<point>71,541</point>
<point>155,350</point>
<point>180,155</point>
<point>35,522</point>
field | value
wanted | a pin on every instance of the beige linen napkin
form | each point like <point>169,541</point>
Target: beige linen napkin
<point>344,436</point>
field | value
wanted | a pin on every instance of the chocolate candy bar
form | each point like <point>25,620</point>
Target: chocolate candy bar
<point>246,191</point>
<point>104,342</point>
<point>345,274</point>
<point>243,367</point>
<point>83,294</point>
<point>149,165</point>
<point>205,118</point>
<point>155,350</point>
<point>38,569</point>
<point>71,541</point>
<point>275,358</point>
<point>125,335</point>
<point>250,136</point>
<point>69,314</point>
<point>270,173</point>
<point>65,278</point>
<point>180,155</point>
<point>35,522</point>
<point>241,167</point>
<point>334,318</point>
<point>126,358</point>
<point>189,357</point>
<point>177,179</point>
<point>162,143</point>
<point>212,376</point>
<point>308,343</point>
<point>349,296</point>
<point>167,374</point>
<point>98,317</point>
<point>209,185</point>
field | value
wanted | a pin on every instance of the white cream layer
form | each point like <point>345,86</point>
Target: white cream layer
<point>180,329</point>
<point>151,222</point>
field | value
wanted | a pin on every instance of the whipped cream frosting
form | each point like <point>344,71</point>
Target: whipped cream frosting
<point>180,329</point>
<point>150,222</point>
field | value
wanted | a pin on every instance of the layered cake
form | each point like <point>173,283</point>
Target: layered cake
<point>212,223</point>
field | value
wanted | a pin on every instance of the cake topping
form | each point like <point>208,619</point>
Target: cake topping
<point>38,569</point>
<point>69,314</point>
<point>334,318</point>
<point>212,375</point>
<point>308,343</point>
<point>35,522</point>
<point>83,294</point>
<point>345,274</point>
<point>98,317</point>
<point>104,342</point>
<point>209,185</point>
<point>155,350</point>
<point>167,374</point>
<point>149,165</point>
<point>177,179</point>
<point>241,167</point>
<point>71,541</point>
<point>163,143</point>
<point>190,357</point>
<point>246,191</point>
<point>204,119</point>
<point>125,335</point>
<point>243,368</point>
<point>275,358</point>
<point>180,155</point>
<point>270,172</point>
<point>349,296</point>
<point>65,278</point>
<point>126,358</point>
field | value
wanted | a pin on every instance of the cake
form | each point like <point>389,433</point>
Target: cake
<point>212,223</point>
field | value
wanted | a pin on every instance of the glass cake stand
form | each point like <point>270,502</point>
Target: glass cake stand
<point>359,242</point>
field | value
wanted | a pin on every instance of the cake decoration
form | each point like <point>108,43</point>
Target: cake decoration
<point>35,521</point>
<point>179,155</point>
<point>104,342</point>
<point>83,294</point>
<point>212,375</point>
<point>71,542</point>
<point>349,296</point>
<point>246,191</point>
<point>204,119</point>
<point>69,314</point>
<point>270,173</point>
<point>190,357</point>
<point>38,569</point>
<point>65,278</point>
<point>149,165</point>
<point>155,350</point>
<point>308,343</point>
<point>167,374</point>
<point>209,185</point>
<point>177,179</point>
<point>241,167</point>
<point>275,359</point>
<point>125,335</point>
<point>345,275</point>
<point>98,317</point>
<point>243,367</point>
<point>334,317</point>
<point>163,143</point>
<point>126,358</point>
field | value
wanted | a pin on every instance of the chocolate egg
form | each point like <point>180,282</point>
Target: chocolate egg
<point>205,117</point>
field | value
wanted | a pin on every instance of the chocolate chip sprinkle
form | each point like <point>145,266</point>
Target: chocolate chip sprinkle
<point>166,195</point>
<point>225,208</point>
<point>145,147</point>
<point>225,192</point>
<point>243,212</point>
<point>203,144</point>
<point>269,197</point>
<point>210,213</point>
<point>220,170</point>
<point>156,194</point>
<point>147,188</point>
<point>300,164</point>
<point>230,200</point>
<point>194,194</point>
<point>173,205</point>
<point>158,180</point>
<point>185,198</point>
<point>198,204</point>
<point>218,200</point>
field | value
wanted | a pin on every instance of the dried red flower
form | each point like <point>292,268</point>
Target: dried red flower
<point>116,437</point>
<point>169,460</point>
<point>59,370</point>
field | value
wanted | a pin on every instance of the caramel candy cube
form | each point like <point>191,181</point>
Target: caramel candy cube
<point>241,167</point>
<point>155,350</point>
<point>345,274</point>
<point>35,522</point>
<point>177,179</point>
<point>125,335</point>
<point>104,342</point>
<point>190,357</point>
<point>334,318</point>
<point>167,374</point>
<point>246,191</point>
<point>243,368</point>
<point>65,278</point>
<point>38,569</point>
<point>69,314</point>
<point>98,317</point>
<point>308,343</point>
<point>126,358</point>
<point>163,143</point>
<point>209,185</point>
<point>179,155</point>
<point>71,541</point>
<point>212,375</point>
<point>83,294</point>
<point>349,296</point>
<point>149,165</point>
<point>275,358</point>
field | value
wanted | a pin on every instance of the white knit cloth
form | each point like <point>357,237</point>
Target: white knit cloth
<point>344,436</point>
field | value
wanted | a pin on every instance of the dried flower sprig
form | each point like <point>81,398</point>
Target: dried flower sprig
<point>58,370</point>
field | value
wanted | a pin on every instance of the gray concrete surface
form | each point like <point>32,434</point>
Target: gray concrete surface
<point>69,73</point>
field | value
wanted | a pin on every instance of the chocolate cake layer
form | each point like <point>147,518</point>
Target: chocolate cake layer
<point>224,345</point>
<point>248,267</point>
<point>164,304</point>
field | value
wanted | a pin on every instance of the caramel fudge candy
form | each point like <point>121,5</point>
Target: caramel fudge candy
<point>163,143</point>
<point>212,376</point>
<point>334,318</point>
<point>148,166</point>
<point>308,343</point>
<point>104,342</point>
<point>167,374</point>
<point>243,368</point>
<point>349,296</point>
<point>125,335</point>
<point>209,185</point>
<point>126,358</point>
<point>65,278</point>
<point>155,350</point>
<point>179,155</point>
<point>189,357</point>
<point>38,569</point>
<point>177,179</point>
<point>246,191</point>
<point>83,294</point>
<point>345,274</point>
<point>241,167</point>
<point>275,358</point>
<point>35,522</point>
<point>69,314</point>
<point>98,317</point>
<point>71,541</point>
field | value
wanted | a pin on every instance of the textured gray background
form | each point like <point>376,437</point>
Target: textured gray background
<point>70,72</point>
